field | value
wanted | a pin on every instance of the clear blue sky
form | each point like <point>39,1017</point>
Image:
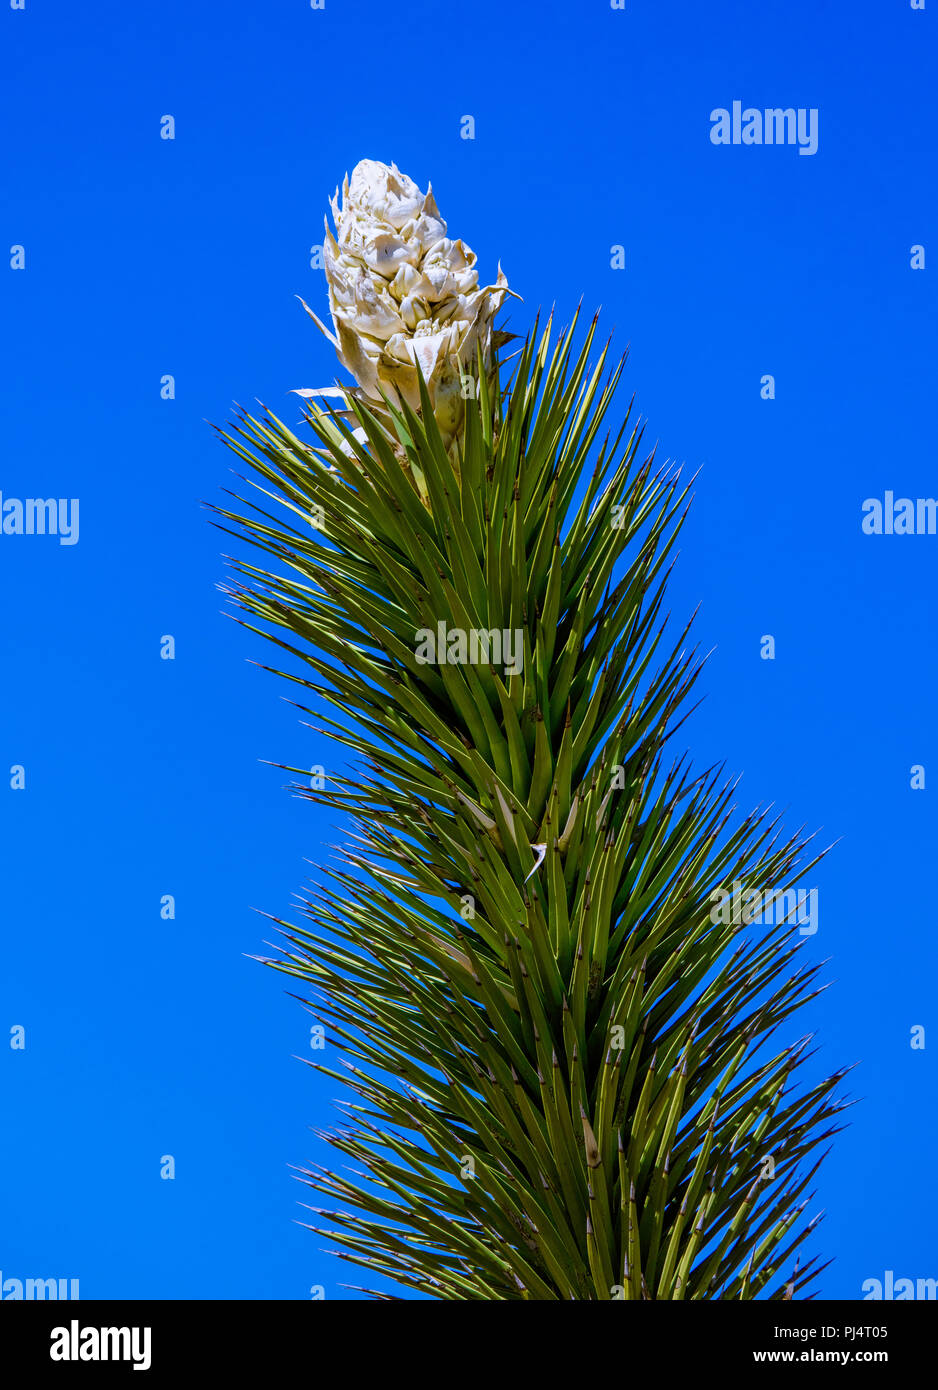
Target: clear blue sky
<point>144,777</point>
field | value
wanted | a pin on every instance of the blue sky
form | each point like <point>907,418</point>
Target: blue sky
<point>146,257</point>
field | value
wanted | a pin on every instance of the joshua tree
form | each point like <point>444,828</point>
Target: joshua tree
<point>573,1077</point>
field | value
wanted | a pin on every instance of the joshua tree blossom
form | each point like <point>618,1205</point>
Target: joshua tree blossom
<point>403,293</point>
<point>566,1072</point>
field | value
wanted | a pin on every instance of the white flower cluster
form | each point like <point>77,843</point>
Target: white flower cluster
<point>403,293</point>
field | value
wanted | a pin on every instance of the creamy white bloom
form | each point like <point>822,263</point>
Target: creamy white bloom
<point>403,293</point>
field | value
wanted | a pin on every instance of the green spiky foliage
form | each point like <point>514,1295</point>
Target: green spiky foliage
<point>568,1080</point>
